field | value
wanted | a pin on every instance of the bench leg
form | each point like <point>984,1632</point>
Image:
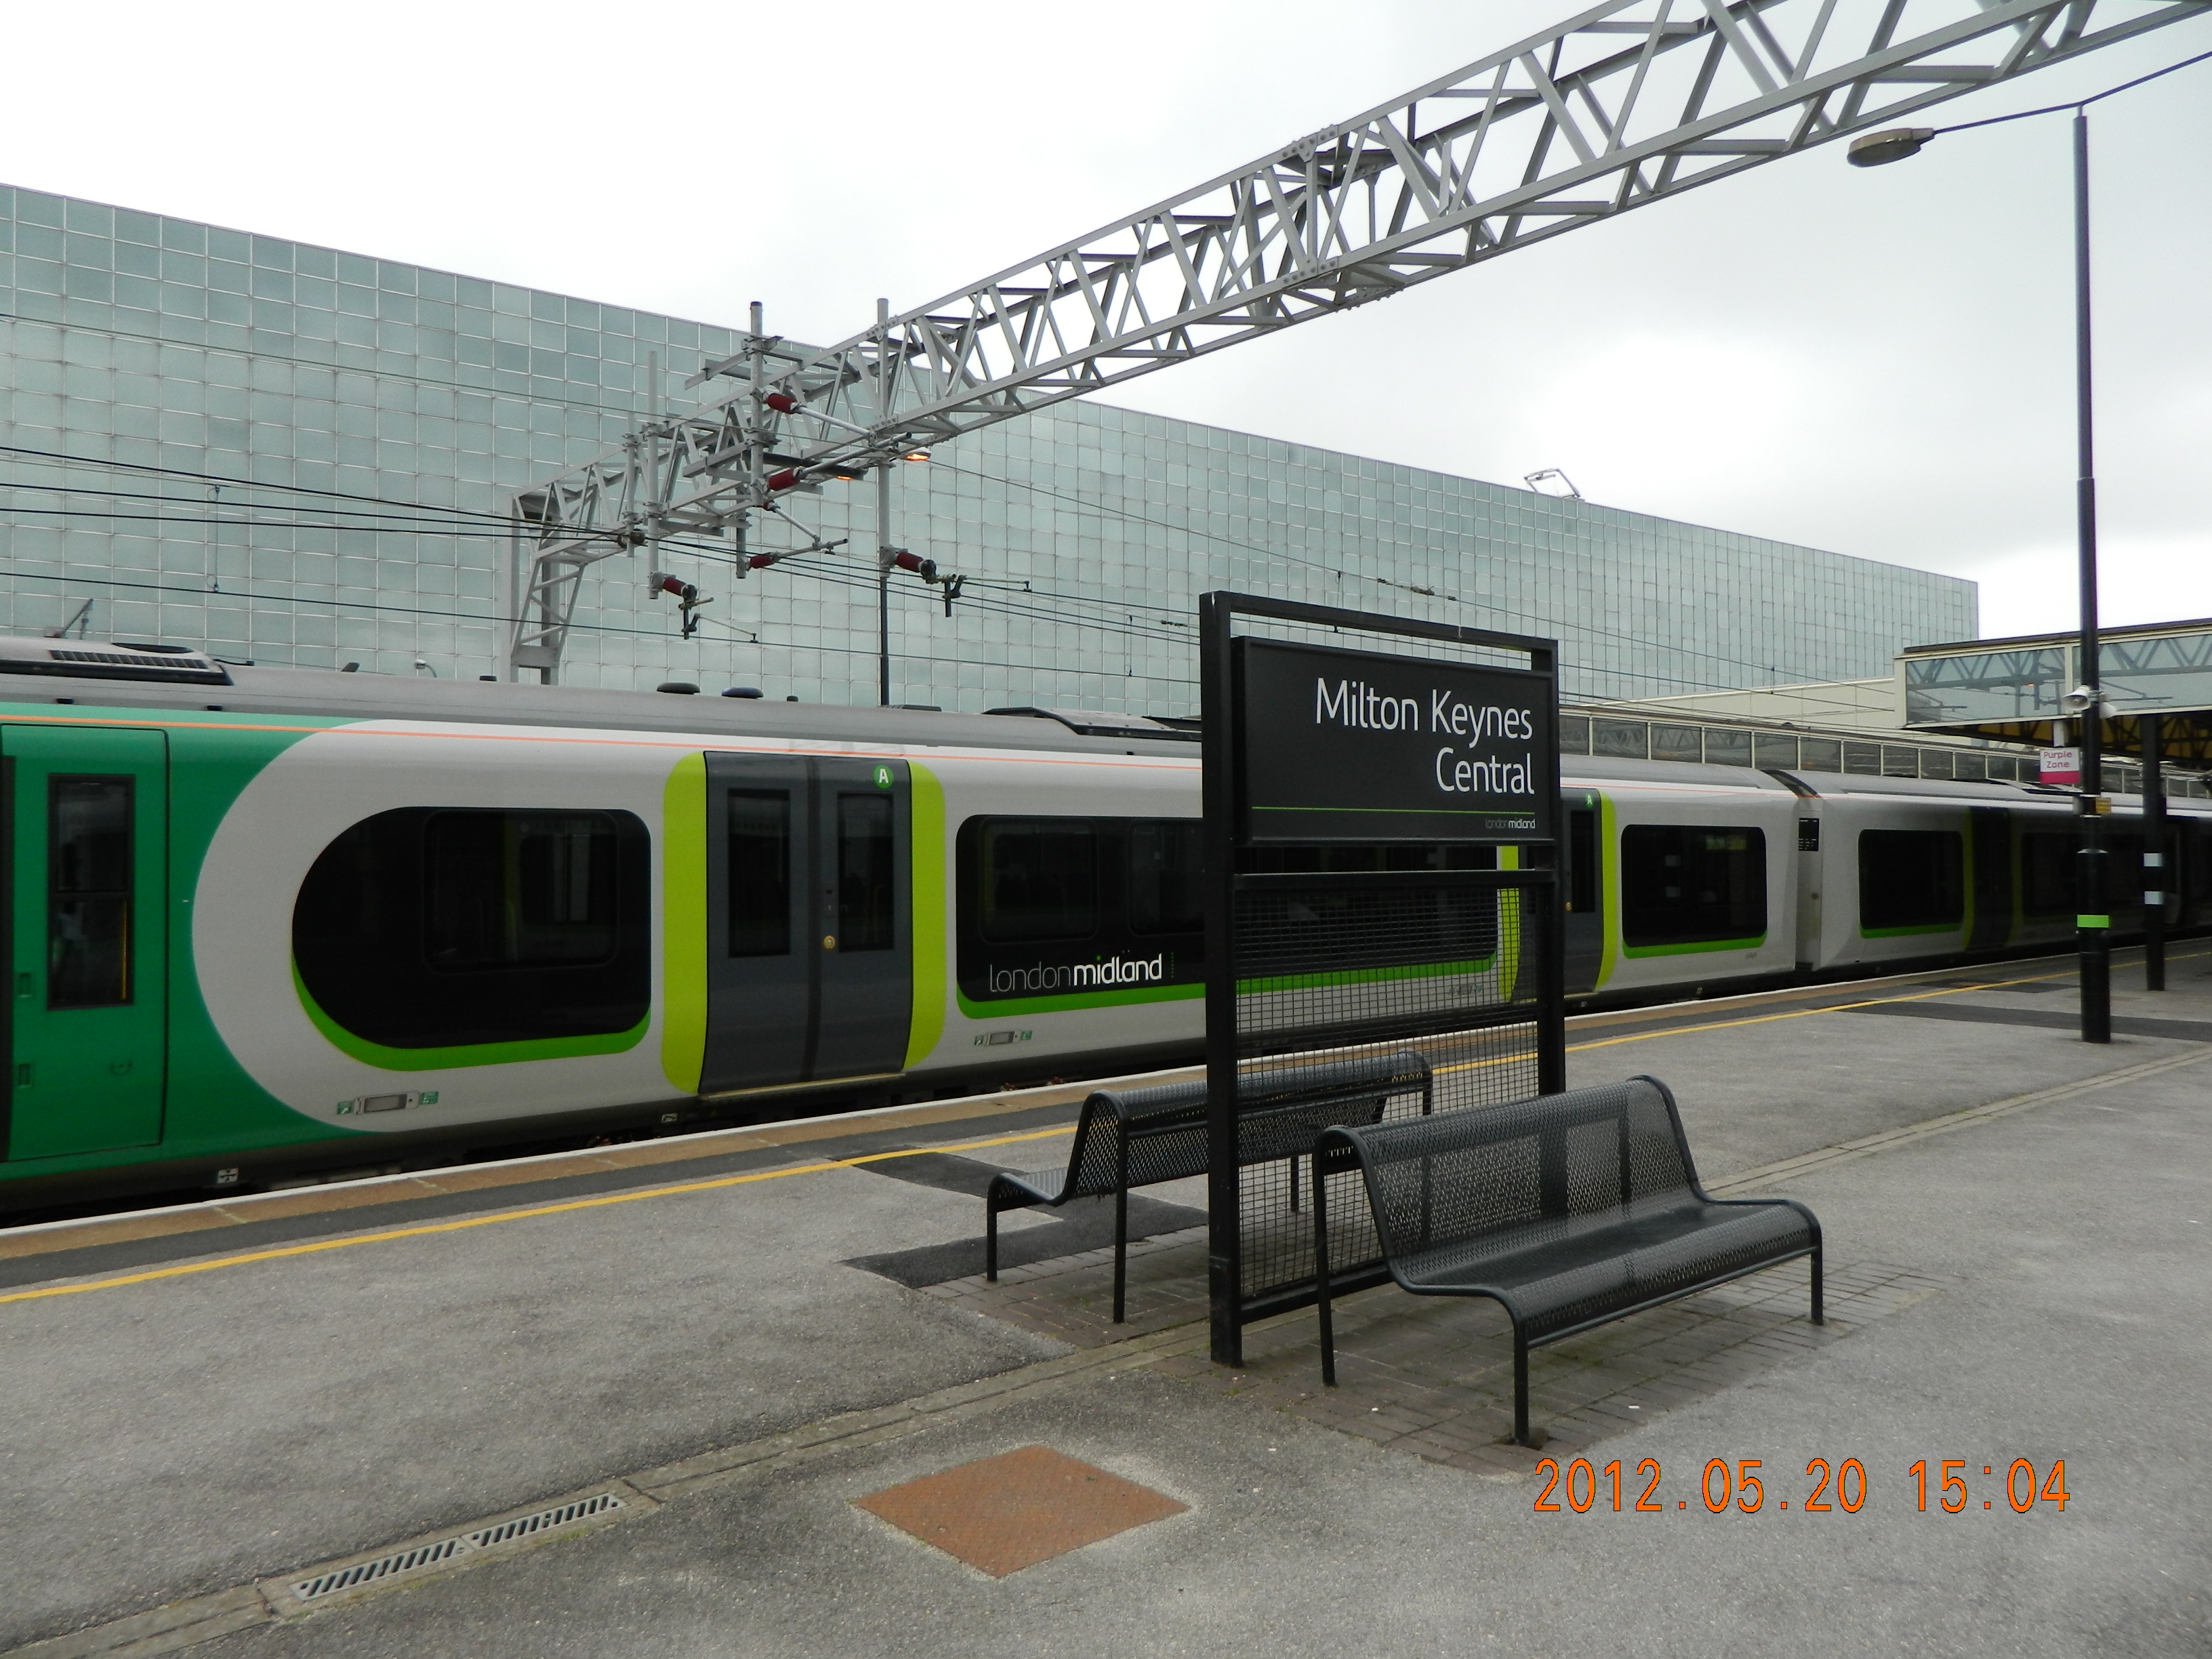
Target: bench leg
<point>1120,1252</point>
<point>1321,1278</point>
<point>1820,1307</point>
<point>1520,1390</point>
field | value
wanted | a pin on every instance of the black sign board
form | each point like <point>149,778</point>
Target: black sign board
<point>1359,746</point>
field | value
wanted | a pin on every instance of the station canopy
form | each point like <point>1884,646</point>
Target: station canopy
<point>2009,690</point>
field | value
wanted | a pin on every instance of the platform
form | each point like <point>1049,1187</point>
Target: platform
<point>699,1357</point>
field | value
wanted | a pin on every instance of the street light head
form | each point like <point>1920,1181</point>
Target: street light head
<point>1873,150</point>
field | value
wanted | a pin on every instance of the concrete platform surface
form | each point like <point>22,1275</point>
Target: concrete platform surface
<point>197,1440</point>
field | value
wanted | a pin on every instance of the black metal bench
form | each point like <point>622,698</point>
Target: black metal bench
<point>1141,1137</point>
<point>1572,1210</point>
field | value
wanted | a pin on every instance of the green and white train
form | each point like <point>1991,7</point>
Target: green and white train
<point>272,921</point>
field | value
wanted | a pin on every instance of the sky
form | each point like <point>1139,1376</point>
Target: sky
<point>1874,361</point>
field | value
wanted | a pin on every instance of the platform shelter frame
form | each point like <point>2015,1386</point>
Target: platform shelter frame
<point>1383,922</point>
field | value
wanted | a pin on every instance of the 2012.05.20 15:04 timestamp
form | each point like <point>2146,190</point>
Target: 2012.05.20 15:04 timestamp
<point>1831,1488</point>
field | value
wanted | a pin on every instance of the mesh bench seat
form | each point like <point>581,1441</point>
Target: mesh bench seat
<point>1141,1137</point>
<point>1571,1210</point>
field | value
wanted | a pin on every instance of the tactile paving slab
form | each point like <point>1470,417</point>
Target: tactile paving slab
<point>1002,1513</point>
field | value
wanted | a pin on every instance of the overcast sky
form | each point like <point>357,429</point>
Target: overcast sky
<point>1877,362</point>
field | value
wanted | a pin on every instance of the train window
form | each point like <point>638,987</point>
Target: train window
<point>427,927</point>
<point>1165,860</point>
<point>2046,874</point>
<point>88,847</point>
<point>507,889</point>
<point>1582,862</point>
<point>760,873</point>
<point>1911,879</point>
<point>2124,884</point>
<point>1039,879</point>
<point>864,874</point>
<point>1692,884</point>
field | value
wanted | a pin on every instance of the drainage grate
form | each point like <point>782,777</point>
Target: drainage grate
<point>508,1530</point>
<point>326,1585</point>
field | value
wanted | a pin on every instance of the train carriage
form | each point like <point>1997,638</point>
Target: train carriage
<point>273,921</point>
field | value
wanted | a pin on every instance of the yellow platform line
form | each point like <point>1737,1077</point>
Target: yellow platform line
<point>430,1228</point>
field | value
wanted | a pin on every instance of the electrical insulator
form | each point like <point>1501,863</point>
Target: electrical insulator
<point>782,403</point>
<point>761,561</point>
<point>925,568</point>
<point>687,599</point>
<point>786,479</point>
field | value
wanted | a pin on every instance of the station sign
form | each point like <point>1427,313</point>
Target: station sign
<point>2060,766</point>
<point>1359,746</point>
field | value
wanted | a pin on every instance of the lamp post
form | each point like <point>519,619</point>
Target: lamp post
<point>2092,878</point>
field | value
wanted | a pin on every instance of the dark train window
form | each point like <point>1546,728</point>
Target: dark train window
<point>509,890</point>
<point>1912,878</point>
<point>430,928</point>
<point>1039,879</point>
<point>863,873</point>
<point>1582,862</point>
<point>2125,883</point>
<point>1692,884</point>
<point>88,858</point>
<point>759,847</point>
<point>1166,895</point>
<point>2046,874</point>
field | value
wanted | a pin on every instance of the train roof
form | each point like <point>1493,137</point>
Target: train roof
<point>98,674</point>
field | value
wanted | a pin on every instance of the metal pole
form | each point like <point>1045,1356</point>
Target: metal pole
<point>882,517</point>
<point>2093,923</point>
<point>1223,1183</point>
<point>2154,877</point>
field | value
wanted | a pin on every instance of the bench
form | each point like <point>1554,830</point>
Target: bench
<point>1572,1210</point>
<point>1141,1137</point>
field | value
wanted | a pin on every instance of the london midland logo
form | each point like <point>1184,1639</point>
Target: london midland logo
<point>1080,976</point>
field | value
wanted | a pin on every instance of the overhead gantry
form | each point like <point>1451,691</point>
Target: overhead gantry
<point>1623,104</point>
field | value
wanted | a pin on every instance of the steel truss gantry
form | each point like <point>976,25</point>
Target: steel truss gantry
<point>1624,103</point>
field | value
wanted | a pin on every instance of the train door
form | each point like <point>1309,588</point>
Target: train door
<point>1585,895</point>
<point>809,937</point>
<point>86,821</point>
<point>1991,829</point>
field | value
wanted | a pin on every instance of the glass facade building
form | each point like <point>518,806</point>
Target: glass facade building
<point>292,455</point>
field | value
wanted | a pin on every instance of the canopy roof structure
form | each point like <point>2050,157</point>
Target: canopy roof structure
<point>2010,690</point>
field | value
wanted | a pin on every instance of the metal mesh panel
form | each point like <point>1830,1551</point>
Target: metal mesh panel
<point>1340,974</point>
<point>1566,1217</point>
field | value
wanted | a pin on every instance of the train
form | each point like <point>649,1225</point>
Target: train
<point>273,923</point>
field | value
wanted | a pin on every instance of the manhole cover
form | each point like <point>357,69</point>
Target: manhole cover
<point>1002,1513</point>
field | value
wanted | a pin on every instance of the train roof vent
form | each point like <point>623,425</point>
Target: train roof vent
<point>1093,723</point>
<point>111,659</point>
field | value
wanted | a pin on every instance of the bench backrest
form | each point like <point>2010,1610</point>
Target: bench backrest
<point>1526,1174</point>
<point>1280,1110</point>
